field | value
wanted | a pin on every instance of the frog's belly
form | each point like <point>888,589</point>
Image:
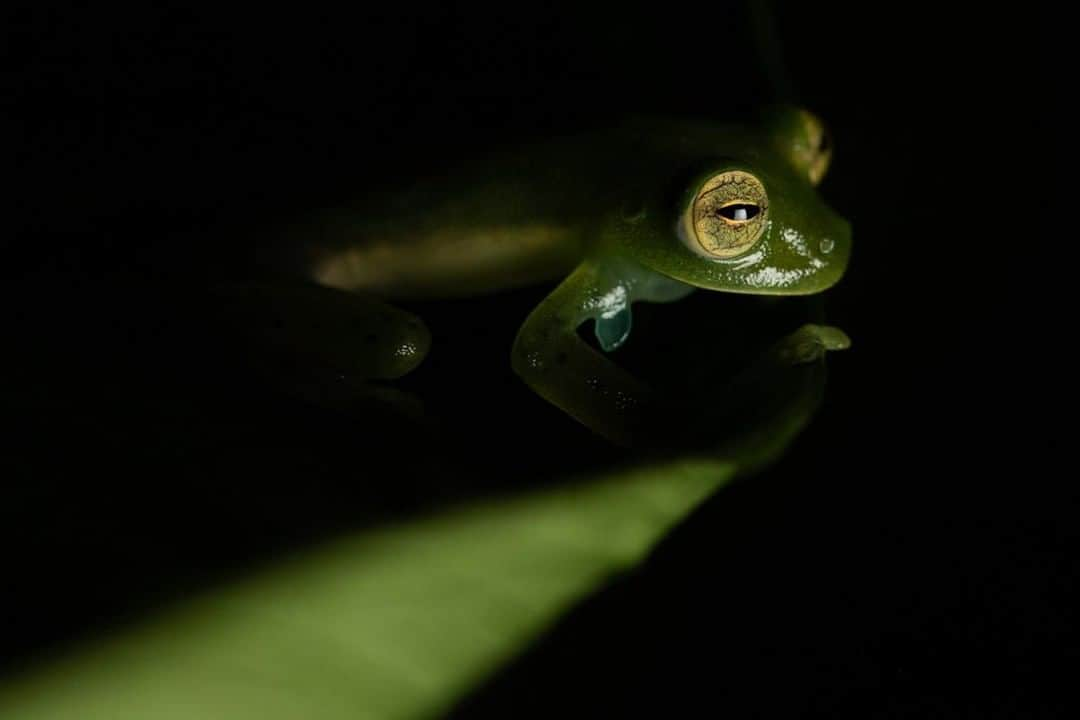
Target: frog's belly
<point>449,261</point>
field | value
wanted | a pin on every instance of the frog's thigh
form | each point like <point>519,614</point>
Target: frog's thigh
<point>450,261</point>
<point>331,329</point>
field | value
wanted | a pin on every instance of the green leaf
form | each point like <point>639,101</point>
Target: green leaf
<point>402,620</point>
<point>394,622</point>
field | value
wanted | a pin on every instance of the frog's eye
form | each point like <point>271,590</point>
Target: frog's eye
<point>728,214</point>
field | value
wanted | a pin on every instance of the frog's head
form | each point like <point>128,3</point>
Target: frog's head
<point>747,217</point>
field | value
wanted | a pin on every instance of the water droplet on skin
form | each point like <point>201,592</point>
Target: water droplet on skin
<point>827,245</point>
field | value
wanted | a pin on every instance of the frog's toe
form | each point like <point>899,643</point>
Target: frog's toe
<point>396,346</point>
<point>810,343</point>
<point>365,337</point>
<point>341,332</point>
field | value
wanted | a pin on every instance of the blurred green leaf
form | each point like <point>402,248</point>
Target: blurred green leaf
<point>394,622</point>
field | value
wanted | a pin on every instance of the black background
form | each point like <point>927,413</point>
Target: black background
<point>913,555</point>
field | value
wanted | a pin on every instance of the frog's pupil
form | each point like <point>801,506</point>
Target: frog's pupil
<point>739,212</point>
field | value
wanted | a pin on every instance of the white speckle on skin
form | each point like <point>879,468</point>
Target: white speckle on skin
<point>751,259</point>
<point>610,303</point>
<point>774,277</point>
<point>795,241</point>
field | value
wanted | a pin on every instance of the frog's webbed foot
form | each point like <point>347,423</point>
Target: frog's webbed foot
<point>326,345</point>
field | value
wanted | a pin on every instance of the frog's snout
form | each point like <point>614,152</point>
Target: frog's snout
<point>831,252</point>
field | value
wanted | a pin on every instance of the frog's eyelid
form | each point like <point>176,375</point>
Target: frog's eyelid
<point>737,201</point>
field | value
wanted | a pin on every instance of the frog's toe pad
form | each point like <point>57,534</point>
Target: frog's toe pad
<point>810,343</point>
<point>396,349</point>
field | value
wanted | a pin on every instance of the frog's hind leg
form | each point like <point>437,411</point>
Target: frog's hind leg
<point>328,345</point>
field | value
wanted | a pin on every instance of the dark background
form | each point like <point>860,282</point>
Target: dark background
<point>914,554</point>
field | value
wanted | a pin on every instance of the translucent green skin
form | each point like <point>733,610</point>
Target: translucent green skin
<point>602,212</point>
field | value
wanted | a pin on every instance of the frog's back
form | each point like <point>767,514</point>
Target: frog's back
<point>508,219</point>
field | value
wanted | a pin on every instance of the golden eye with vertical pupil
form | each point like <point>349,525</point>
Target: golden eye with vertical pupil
<point>728,214</point>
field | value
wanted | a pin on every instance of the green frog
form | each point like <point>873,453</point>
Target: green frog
<point>648,211</point>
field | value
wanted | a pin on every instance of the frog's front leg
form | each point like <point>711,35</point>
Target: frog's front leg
<point>774,395</point>
<point>563,369</point>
